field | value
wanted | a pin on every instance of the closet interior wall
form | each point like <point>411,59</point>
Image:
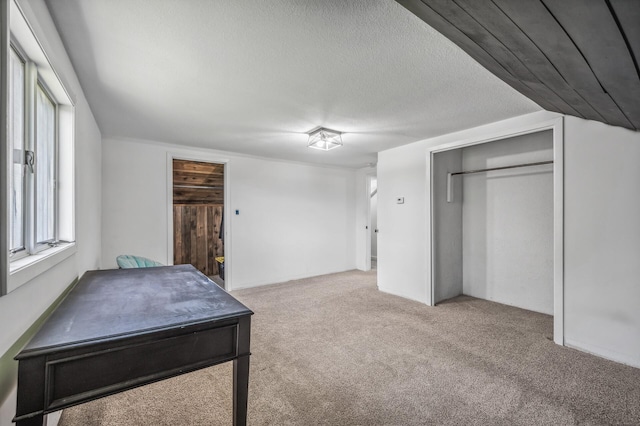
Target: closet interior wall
<point>494,240</point>
<point>447,224</point>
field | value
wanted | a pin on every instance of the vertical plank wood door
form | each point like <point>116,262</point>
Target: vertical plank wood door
<point>196,236</point>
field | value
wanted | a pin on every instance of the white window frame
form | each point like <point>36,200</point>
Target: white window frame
<point>38,246</point>
<point>32,83</point>
<point>16,253</point>
<point>36,257</point>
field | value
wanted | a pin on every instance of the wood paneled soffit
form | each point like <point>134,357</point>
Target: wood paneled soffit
<point>576,57</point>
<point>198,182</point>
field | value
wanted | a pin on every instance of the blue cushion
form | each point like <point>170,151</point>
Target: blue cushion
<point>126,261</point>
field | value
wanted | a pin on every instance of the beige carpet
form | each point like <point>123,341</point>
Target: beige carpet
<point>333,350</point>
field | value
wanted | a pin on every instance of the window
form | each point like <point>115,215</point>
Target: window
<point>38,178</point>
<point>33,179</point>
<point>45,151</point>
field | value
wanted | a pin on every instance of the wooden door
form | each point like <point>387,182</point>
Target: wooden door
<point>198,205</point>
<point>196,236</point>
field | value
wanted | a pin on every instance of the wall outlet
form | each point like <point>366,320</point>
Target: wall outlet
<point>400,200</point>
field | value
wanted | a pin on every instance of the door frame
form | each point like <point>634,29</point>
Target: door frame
<point>556,125</point>
<point>367,243</point>
<point>202,158</point>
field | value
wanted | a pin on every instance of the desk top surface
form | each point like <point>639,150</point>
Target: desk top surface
<point>117,303</point>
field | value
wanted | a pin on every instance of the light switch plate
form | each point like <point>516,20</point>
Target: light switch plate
<point>400,200</point>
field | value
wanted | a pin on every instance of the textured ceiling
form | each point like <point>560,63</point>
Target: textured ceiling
<point>577,57</point>
<point>253,76</point>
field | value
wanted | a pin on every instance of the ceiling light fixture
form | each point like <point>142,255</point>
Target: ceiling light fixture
<point>324,139</point>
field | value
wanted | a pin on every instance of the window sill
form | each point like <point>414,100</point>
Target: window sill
<point>27,268</point>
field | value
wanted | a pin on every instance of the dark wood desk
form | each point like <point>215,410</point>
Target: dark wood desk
<point>123,328</point>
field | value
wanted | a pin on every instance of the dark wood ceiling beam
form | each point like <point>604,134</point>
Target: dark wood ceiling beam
<point>498,24</point>
<point>535,20</point>
<point>540,90</point>
<point>627,14</point>
<point>576,57</point>
<point>440,24</point>
<point>607,108</point>
<point>459,18</point>
<point>595,32</point>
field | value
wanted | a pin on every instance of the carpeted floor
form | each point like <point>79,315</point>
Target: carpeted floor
<point>333,350</point>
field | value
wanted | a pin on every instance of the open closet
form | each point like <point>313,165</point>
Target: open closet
<point>493,221</point>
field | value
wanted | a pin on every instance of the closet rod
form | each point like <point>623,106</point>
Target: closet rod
<point>502,168</point>
<point>198,187</point>
<point>450,175</point>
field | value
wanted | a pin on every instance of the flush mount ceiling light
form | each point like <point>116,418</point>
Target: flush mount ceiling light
<point>324,139</point>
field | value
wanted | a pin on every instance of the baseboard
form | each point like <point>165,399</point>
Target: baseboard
<point>404,296</point>
<point>603,353</point>
<point>281,280</point>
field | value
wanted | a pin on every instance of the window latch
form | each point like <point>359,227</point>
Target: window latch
<point>30,159</point>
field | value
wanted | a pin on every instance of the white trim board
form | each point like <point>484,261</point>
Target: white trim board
<point>602,352</point>
<point>556,125</point>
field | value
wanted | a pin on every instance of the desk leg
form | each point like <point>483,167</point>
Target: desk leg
<point>240,390</point>
<point>241,373</point>
<point>30,394</point>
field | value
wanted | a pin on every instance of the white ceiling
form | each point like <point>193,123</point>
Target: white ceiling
<point>252,76</point>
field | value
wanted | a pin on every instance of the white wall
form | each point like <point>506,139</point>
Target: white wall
<point>601,228</point>
<point>404,248</point>
<point>508,222</point>
<point>402,235</point>
<point>20,308</point>
<point>295,220</point>
<point>602,239</point>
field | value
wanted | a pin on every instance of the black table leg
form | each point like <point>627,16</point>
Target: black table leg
<point>240,390</point>
<point>241,373</point>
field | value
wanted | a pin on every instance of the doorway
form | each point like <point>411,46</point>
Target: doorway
<point>198,216</point>
<point>369,237</point>
<point>373,224</point>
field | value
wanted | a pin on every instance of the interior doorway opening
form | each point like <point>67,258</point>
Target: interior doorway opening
<point>373,222</point>
<point>370,205</point>
<point>198,217</point>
